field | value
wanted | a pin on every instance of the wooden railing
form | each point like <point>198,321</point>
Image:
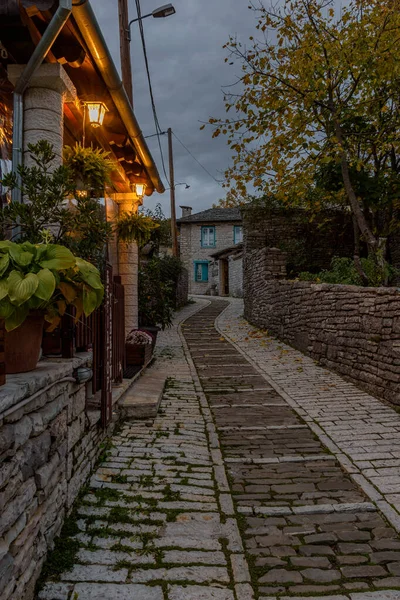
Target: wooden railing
<point>118,330</point>
<point>90,333</point>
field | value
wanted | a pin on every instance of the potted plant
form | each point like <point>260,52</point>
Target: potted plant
<point>90,169</point>
<point>135,227</point>
<point>138,347</point>
<point>37,284</point>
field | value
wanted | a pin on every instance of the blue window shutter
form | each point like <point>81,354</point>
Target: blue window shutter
<point>205,272</point>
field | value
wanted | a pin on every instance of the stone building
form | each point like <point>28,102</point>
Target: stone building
<point>51,425</point>
<point>210,243</point>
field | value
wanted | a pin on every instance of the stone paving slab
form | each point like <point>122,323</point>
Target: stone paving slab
<point>364,430</point>
<point>307,527</point>
<point>227,494</point>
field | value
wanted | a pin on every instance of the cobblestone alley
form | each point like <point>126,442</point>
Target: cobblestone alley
<point>263,476</point>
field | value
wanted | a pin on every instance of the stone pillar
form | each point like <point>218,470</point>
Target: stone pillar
<point>128,261</point>
<point>44,100</point>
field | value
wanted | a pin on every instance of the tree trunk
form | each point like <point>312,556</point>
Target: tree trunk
<point>363,227</point>
<point>357,260</point>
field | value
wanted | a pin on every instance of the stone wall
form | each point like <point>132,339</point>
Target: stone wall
<point>49,443</point>
<point>352,330</point>
<point>236,276</point>
<point>182,289</point>
<point>310,246</point>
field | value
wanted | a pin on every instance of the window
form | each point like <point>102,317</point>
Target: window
<point>237,234</point>
<point>201,270</point>
<point>208,237</point>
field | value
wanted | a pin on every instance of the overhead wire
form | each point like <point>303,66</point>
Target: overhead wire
<point>195,159</point>
<point>153,105</point>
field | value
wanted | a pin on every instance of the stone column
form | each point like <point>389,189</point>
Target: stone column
<point>128,261</point>
<point>44,100</point>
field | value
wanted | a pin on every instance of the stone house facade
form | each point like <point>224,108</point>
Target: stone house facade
<point>205,241</point>
<point>51,425</point>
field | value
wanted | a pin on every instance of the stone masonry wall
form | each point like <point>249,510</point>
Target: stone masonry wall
<point>182,289</point>
<point>48,447</point>
<point>236,276</point>
<point>310,246</point>
<point>352,330</point>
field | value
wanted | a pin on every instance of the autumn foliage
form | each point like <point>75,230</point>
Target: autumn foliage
<point>318,93</point>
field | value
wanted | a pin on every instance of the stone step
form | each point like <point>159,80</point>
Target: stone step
<point>143,399</point>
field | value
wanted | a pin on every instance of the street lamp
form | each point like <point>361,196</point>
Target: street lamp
<point>164,11</point>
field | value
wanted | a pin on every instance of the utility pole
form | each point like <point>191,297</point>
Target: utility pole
<point>174,233</point>
<point>124,45</point>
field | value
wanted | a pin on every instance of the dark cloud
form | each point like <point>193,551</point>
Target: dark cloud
<point>188,71</point>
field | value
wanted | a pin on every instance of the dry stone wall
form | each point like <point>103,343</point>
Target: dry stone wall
<point>49,444</point>
<point>351,330</point>
<point>236,276</point>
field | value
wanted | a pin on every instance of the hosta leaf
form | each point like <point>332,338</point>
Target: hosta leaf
<point>4,262</point>
<point>6,308</point>
<point>100,296</point>
<point>3,288</point>
<point>68,290</point>
<point>78,303</point>
<point>89,273</point>
<point>20,287</point>
<point>54,321</point>
<point>89,300</point>
<point>16,318</point>
<point>56,257</point>
<point>62,307</point>
<point>47,284</point>
<point>20,256</point>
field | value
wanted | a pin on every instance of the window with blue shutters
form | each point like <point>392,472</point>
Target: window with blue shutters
<point>237,234</point>
<point>201,270</point>
<point>208,237</point>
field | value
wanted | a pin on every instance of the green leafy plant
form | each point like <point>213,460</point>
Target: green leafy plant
<point>157,289</point>
<point>135,227</point>
<point>44,190</point>
<point>46,278</point>
<point>161,236</point>
<point>90,168</point>
<point>343,271</point>
<point>48,212</point>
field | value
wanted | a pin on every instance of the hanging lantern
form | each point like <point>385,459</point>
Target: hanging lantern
<point>97,111</point>
<point>140,189</point>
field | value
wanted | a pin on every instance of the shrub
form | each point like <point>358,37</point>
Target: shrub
<point>343,271</point>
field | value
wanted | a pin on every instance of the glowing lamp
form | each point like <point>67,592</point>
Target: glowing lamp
<point>140,189</point>
<point>97,111</point>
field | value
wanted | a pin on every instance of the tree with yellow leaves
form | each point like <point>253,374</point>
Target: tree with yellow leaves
<point>319,88</point>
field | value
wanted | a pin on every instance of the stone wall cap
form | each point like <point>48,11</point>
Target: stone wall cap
<point>21,386</point>
<point>51,76</point>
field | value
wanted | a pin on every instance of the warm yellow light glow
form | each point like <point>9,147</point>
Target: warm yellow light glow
<point>97,111</point>
<point>140,189</point>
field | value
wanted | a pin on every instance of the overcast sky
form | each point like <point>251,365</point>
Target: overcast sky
<point>188,71</point>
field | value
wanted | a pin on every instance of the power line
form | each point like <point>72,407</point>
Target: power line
<point>153,105</point>
<point>195,159</point>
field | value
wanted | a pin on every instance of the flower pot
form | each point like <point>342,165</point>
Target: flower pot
<point>138,354</point>
<point>22,345</point>
<point>51,343</point>
<point>153,331</point>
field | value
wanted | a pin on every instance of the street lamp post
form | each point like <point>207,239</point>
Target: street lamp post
<point>125,38</point>
<point>164,11</point>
